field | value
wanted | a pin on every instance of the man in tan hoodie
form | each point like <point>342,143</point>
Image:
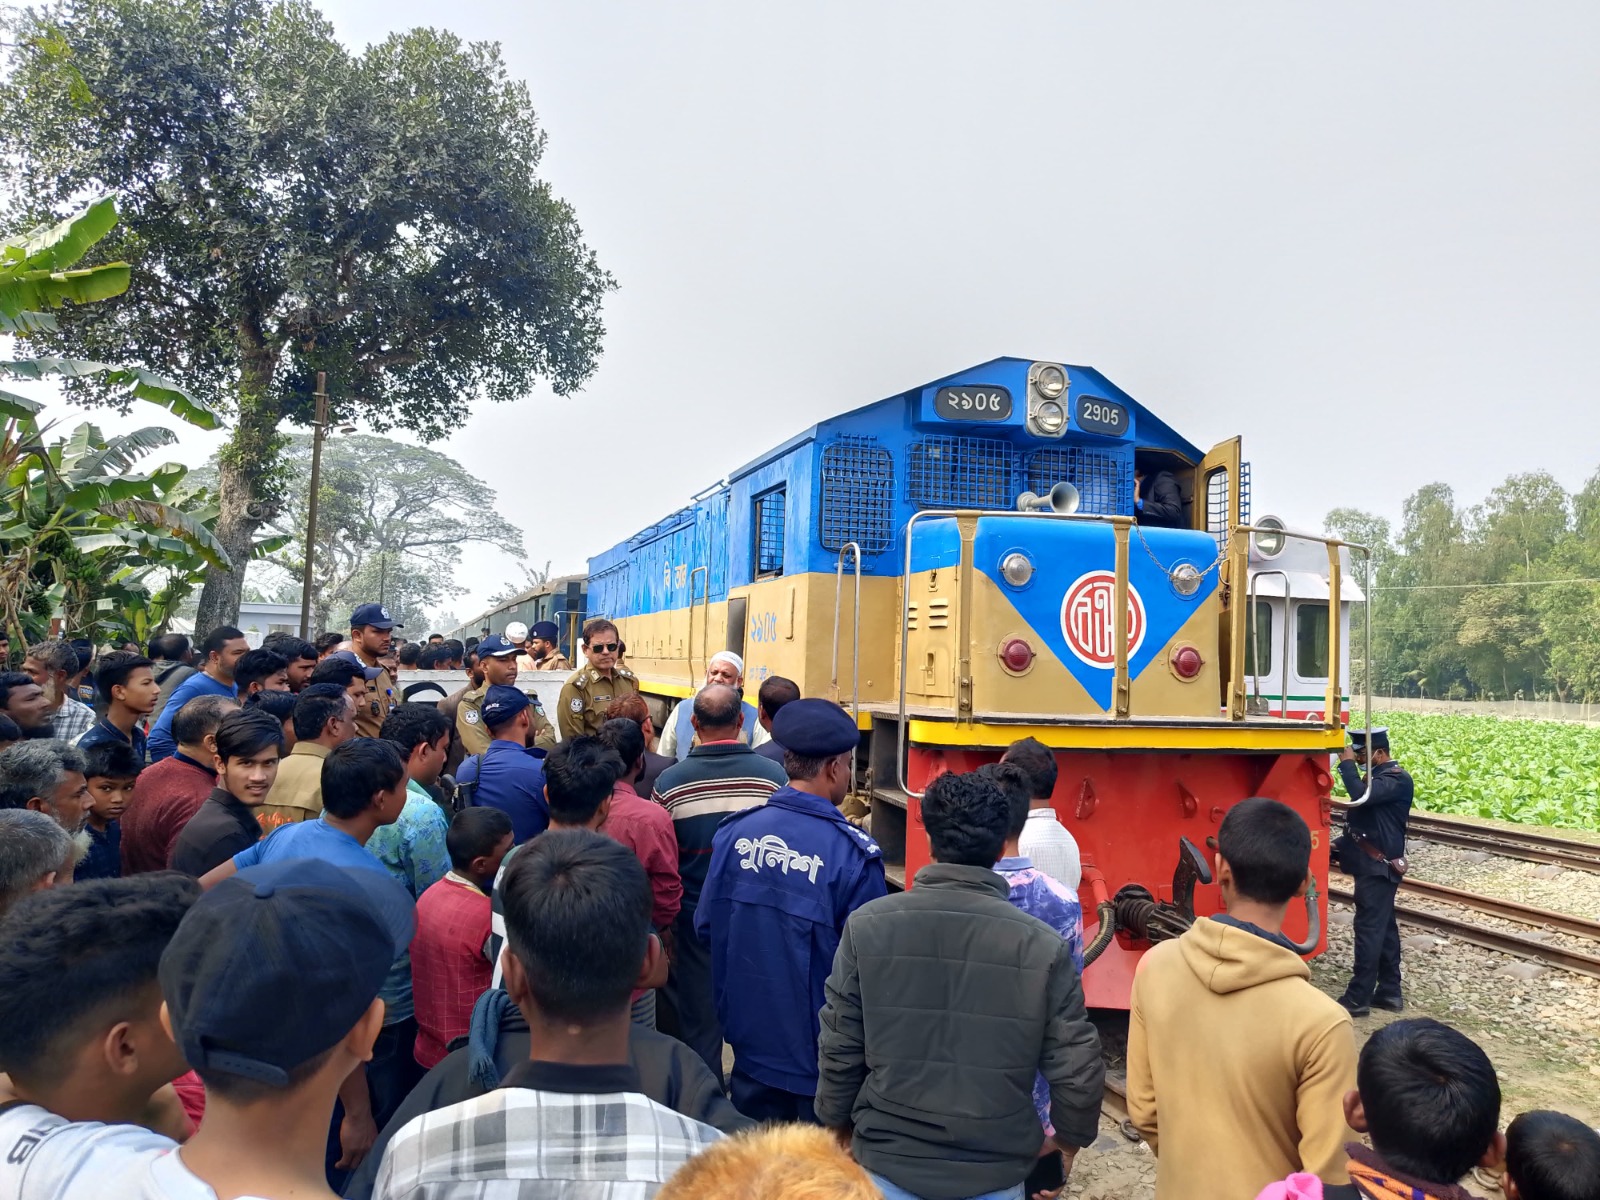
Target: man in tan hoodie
<point>1237,1065</point>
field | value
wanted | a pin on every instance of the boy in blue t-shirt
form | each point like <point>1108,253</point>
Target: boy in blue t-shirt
<point>111,771</point>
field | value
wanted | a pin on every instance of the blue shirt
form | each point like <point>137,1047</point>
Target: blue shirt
<point>511,778</point>
<point>781,880</point>
<point>103,732</point>
<point>309,839</point>
<point>104,860</point>
<point>162,743</point>
<point>413,851</point>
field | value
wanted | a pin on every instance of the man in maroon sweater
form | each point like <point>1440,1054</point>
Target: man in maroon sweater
<point>171,791</point>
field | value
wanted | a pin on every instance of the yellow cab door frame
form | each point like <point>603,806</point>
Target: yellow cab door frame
<point>1217,509</point>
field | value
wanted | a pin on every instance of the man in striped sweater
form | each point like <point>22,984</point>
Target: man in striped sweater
<point>719,776</point>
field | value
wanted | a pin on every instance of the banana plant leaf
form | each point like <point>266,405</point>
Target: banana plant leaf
<point>138,382</point>
<point>56,247</point>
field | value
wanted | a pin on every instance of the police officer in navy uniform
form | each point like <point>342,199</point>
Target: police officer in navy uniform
<point>782,879</point>
<point>1372,850</point>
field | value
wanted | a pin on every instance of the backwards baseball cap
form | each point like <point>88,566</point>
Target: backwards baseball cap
<point>495,646</point>
<point>276,964</point>
<point>815,728</point>
<point>375,615</point>
<point>351,657</point>
<point>500,704</point>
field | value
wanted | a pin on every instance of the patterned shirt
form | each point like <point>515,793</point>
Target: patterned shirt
<point>72,720</point>
<point>551,1130</point>
<point>711,783</point>
<point>1039,895</point>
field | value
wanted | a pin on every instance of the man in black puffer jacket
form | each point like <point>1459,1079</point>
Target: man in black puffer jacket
<point>957,1000</point>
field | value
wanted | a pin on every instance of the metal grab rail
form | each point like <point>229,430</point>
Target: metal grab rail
<point>855,646</point>
<point>1333,713</point>
<point>705,622</point>
<point>1250,600</point>
<point>1119,633</point>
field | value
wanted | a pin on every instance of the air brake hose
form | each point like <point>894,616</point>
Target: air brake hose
<point>1104,910</point>
<point>1313,920</point>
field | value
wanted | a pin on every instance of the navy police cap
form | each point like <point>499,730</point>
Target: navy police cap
<point>277,963</point>
<point>500,704</point>
<point>375,615</point>
<point>545,630</point>
<point>1376,738</point>
<point>815,728</point>
<point>496,646</point>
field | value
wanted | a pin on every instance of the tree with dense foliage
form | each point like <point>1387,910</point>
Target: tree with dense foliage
<point>295,207</point>
<point>391,521</point>
<point>1497,600</point>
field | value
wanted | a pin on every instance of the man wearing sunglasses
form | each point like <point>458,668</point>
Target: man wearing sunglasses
<point>586,697</point>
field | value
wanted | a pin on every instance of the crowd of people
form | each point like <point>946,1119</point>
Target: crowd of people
<point>327,936</point>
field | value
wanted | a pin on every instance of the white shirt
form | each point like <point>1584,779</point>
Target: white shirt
<point>46,1157</point>
<point>165,1177</point>
<point>1053,850</point>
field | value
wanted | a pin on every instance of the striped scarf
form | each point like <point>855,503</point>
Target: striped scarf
<point>1374,1179</point>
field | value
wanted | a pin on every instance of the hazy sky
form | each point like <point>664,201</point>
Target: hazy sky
<point>1364,236</point>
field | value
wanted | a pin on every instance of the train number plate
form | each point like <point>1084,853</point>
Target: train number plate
<point>1102,416</point>
<point>976,403</point>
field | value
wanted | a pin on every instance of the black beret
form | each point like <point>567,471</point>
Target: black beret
<point>815,728</point>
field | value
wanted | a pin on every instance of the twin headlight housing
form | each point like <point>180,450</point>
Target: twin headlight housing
<point>1047,399</point>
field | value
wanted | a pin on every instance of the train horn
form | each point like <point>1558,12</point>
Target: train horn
<point>1063,498</point>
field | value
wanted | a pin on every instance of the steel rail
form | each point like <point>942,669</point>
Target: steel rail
<point>1511,910</point>
<point>1489,939</point>
<point>1527,846</point>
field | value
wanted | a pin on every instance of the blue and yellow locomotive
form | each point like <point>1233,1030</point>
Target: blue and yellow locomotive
<point>958,563</point>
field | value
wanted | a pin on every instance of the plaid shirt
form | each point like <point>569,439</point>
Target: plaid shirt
<point>549,1131</point>
<point>72,720</point>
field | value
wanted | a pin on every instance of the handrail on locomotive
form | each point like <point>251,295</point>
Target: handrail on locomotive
<point>1236,552</point>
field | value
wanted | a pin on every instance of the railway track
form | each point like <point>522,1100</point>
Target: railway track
<point>1525,845</point>
<point>1581,962</point>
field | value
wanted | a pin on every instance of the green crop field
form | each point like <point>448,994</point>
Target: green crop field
<point>1537,772</point>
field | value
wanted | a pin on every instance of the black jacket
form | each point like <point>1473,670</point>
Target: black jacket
<point>944,1004</point>
<point>1381,820</point>
<point>669,1073</point>
<point>1161,502</point>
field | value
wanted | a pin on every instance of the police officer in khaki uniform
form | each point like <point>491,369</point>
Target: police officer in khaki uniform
<point>543,652</point>
<point>587,696</point>
<point>497,660</point>
<point>371,637</point>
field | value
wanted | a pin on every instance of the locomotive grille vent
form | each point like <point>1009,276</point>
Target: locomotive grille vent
<point>938,614</point>
<point>1104,478</point>
<point>962,472</point>
<point>857,495</point>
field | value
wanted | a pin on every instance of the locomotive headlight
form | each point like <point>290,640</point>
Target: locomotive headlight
<point>1016,569</point>
<point>1050,382</point>
<point>1269,544</point>
<point>1050,417</point>
<point>1186,579</point>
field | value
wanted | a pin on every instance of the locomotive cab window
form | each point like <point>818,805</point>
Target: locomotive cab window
<point>768,549</point>
<point>1311,640</point>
